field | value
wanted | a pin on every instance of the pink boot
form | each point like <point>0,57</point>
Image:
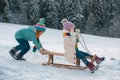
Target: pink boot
<point>92,67</point>
<point>99,60</point>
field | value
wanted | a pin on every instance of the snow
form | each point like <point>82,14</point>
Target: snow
<point>52,40</point>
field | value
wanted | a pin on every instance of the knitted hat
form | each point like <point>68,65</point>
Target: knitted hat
<point>64,20</point>
<point>41,25</point>
<point>42,20</point>
<point>68,25</point>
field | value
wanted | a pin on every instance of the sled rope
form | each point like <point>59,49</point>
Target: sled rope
<point>84,44</point>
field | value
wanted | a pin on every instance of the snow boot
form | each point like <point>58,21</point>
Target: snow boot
<point>13,52</point>
<point>18,57</point>
<point>92,67</point>
<point>99,60</point>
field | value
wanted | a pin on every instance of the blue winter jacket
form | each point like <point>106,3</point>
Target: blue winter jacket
<point>28,34</point>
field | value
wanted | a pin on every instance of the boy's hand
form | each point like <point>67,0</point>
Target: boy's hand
<point>44,51</point>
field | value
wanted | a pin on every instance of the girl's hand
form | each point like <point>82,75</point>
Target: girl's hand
<point>77,32</point>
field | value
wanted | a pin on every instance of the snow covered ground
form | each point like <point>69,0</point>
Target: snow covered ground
<point>52,40</point>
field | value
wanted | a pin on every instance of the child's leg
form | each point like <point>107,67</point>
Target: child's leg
<point>86,62</point>
<point>85,54</point>
<point>23,46</point>
<point>25,50</point>
<point>81,56</point>
<point>92,57</point>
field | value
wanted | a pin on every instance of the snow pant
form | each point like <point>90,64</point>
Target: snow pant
<point>23,46</point>
<point>82,55</point>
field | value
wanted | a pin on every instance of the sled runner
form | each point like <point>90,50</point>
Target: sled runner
<point>65,66</point>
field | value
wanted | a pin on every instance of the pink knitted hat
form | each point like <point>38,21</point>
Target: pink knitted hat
<point>68,25</point>
<point>64,20</point>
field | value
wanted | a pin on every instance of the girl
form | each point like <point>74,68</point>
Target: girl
<point>29,34</point>
<point>71,48</point>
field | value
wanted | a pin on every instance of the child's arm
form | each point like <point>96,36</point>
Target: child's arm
<point>44,51</point>
<point>38,46</point>
<point>77,34</point>
<point>37,43</point>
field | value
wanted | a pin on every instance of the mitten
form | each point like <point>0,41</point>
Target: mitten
<point>77,31</point>
<point>34,49</point>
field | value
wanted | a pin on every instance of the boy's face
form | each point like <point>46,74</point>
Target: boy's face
<point>39,33</point>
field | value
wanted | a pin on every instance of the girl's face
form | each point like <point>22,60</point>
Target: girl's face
<point>71,29</point>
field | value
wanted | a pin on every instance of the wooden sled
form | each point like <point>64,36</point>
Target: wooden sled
<point>76,66</point>
<point>51,58</point>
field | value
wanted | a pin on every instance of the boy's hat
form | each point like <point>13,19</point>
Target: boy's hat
<point>68,25</point>
<point>40,26</point>
<point>42,20</point>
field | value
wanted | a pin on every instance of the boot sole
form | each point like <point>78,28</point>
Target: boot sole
<point>96,68</point>
<point>13,56</point>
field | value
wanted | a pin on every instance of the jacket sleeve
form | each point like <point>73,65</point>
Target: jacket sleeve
<point>77,34</point>
<point>37,43</point>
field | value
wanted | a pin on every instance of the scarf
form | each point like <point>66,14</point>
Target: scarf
<point>68,34</point>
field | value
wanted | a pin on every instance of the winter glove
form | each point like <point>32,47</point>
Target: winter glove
<point>44,51</point>
<point>34,49</point>
<point>77,31</point>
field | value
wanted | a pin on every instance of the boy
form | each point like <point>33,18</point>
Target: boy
<point>31,33</point>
